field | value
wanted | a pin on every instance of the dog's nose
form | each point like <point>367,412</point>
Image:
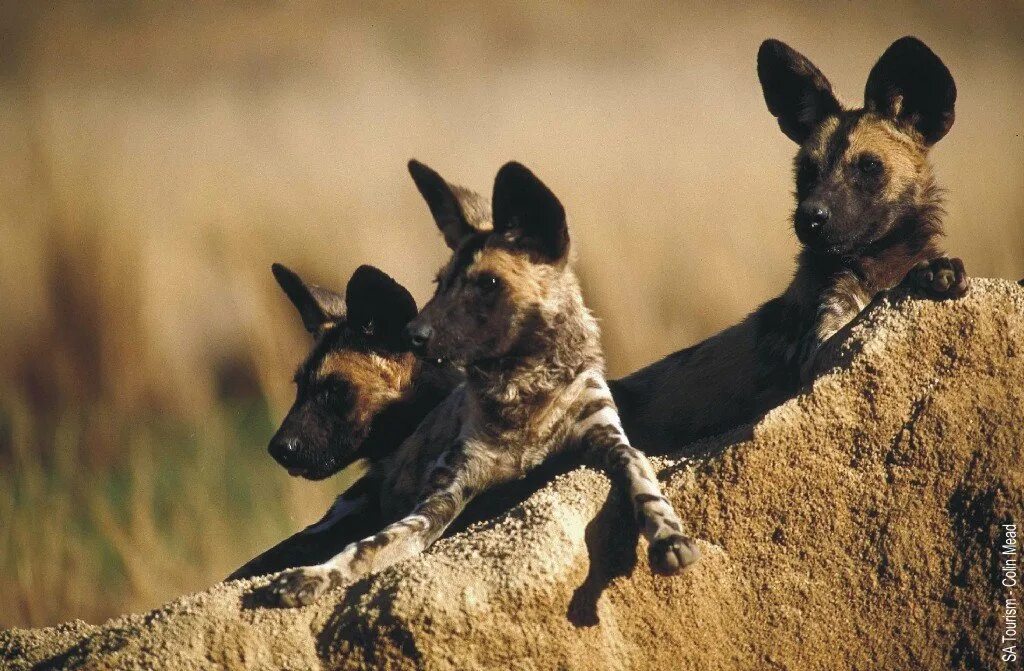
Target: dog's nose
<point>815,213</point>
<point>285,450</point>
<point>418,336</point>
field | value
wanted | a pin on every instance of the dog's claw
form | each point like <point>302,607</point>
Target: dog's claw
<point>672,554</point>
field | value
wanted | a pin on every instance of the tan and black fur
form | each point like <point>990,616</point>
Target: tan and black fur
<point>868,215</point>
<point>359,393</point>
<point>508,309</point>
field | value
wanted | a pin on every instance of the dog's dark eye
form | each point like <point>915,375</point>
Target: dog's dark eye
<point>487,283</point>
<point>869,165</point>
<point>806,175</point>
<point>333,390</point>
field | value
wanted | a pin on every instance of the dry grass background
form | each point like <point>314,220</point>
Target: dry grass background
<point>157,160</point>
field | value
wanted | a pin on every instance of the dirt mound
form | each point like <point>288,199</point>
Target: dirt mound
<point>856,526</point>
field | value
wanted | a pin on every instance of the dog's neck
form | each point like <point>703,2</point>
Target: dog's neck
<point>431,383</point>
<point>557,347</point>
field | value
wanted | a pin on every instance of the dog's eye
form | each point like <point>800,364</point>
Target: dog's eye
<point>869,165</point>
<point>487,283</point>
<point>332,390</point>
<point>806,175</point>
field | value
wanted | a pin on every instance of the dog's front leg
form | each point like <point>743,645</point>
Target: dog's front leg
<point>599,433</point>
<point>447,493</point>
<point>836,308</point>
<point>353,515</point>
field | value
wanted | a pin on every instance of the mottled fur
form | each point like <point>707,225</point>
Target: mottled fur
<point>868,215</point>
<point>509,309</point>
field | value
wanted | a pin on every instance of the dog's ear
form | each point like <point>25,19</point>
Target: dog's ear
<point>378,305</point>
<point>528,215</point>
<point>458,212</point>
<point>797,94</point>
<point>317,306</point>
<point>912,86</point>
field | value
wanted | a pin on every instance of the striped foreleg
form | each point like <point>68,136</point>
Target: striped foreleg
<point>599,433</point>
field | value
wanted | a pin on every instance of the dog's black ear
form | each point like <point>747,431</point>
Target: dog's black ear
<point>458,212</point>
<point>378,305</point>
<point>912,86</point>
<point>317,306</point>
<point>797,94</point>
<point>527,214</point>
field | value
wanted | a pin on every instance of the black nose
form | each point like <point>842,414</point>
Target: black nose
<point>418,336</point>
<point>814,213</point>
<point>285,450</point>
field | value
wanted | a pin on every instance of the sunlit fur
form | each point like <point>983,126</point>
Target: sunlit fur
<point>349,393</point>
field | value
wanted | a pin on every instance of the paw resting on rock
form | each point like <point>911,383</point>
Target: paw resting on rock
<point>940,278</point>
<point>300,587</point>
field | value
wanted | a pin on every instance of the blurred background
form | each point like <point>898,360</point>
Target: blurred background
<point>156,160</point>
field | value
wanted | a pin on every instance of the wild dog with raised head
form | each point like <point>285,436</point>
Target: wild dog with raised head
<point>359,393</point>
<point>868,214</point>
<point>508,309</point>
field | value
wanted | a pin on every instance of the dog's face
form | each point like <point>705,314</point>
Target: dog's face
<point>359,365</point>
<point>859,172</point>
<point>500,278</point>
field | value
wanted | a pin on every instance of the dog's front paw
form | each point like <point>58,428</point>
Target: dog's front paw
<point>940,278</point>
<point>300,587</point>
<point>672,554</point>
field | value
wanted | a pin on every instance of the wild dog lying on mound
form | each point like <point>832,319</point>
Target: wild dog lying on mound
<point>359,394</point>
<point>868,213</point>
<point>509,309</point>
<point>360,391</point>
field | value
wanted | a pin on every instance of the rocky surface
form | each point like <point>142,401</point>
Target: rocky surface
<point>856,526</point>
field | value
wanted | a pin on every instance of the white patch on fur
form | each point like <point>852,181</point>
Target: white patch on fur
<point>607,416</point>
<point>341,509</point>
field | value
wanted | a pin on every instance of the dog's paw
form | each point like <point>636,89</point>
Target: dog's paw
<point>940,278</point>
<point>300,586</point>
<point>672,554</point>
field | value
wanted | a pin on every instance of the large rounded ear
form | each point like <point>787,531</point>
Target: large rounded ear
<point>911,85</point>
<point>797,94</point>
<point>458,212</point>
<point>528,215</point>
<point>378,305</point>
<point>317,306</point>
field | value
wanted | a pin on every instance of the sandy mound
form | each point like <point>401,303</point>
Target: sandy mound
<point>856,526</point>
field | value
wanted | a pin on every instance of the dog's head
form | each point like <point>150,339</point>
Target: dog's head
<point>860,173</point>
<point>358,366</point>
<point>506,277</point>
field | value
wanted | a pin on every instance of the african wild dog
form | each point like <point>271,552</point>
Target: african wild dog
<point>360,393</point>
<point>508,309</point>
<point>868,213</point>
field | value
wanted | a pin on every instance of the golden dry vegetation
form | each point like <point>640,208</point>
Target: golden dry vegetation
<point>157,160</point>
